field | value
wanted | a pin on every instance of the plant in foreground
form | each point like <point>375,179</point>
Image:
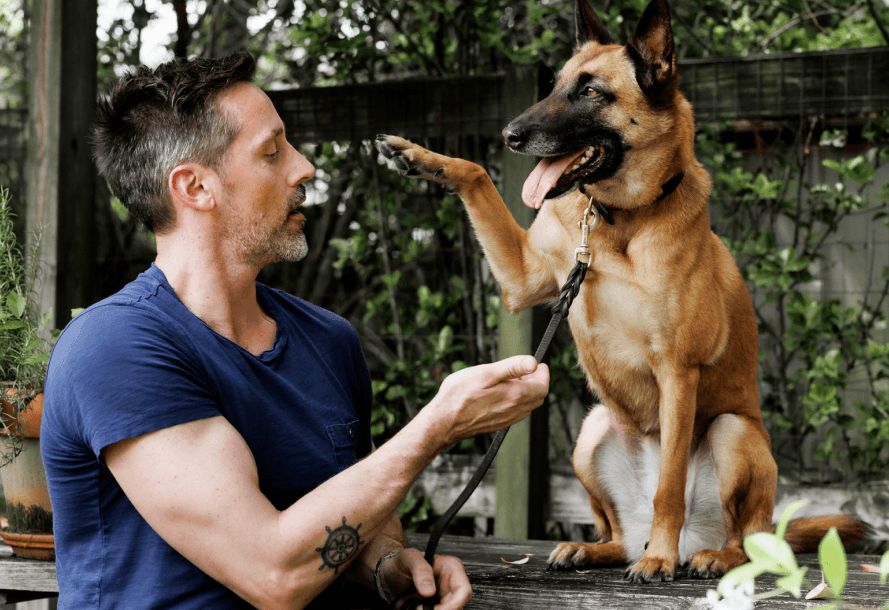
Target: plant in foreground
<point>770,554</point>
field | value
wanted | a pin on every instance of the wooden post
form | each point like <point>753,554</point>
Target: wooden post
<point>60,174</point>
<point>519,508</point>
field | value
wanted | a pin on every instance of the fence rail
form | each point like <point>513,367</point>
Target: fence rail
<point>824,83</point>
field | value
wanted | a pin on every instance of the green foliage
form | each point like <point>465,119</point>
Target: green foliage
<point>770,554</point>
<point>23,351</point>
<point>823,360</point>
<point>28,519</point>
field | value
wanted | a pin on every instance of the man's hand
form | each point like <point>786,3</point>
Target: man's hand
<point>490,397</point>
<point>407,575</point>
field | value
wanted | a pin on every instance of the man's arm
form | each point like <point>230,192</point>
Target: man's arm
<point>197,485</point>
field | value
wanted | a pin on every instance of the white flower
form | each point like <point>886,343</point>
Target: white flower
<point>739,598</point>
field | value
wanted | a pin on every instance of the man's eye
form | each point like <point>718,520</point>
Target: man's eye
<point>274,155</point>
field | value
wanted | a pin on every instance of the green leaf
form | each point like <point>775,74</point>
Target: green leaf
<point>791,508</point>
<point>793,582</point>
<point>742,574</point>
<point>445,340</point>
<point>13,325</point>
<point>770,552</point>
<point>884,568</point>
<point>396,391</point>
<point>391,279</point>
<point>832,557</point>
<point>16,303</point>
<point>37,359</point>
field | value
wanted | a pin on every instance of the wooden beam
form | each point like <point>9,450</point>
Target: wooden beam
<point>516,504</point>
<point>60,174</point>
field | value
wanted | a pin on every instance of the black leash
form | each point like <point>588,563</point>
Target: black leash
<point>560,311</point>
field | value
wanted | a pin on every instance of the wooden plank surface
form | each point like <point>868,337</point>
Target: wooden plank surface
<point>26,574</point>
<point>497,585</point>
<point>500,586</point>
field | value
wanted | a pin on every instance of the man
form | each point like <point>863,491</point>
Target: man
<point>201,430</point>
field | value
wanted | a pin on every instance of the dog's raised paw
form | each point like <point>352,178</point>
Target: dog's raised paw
<point>408,159</point>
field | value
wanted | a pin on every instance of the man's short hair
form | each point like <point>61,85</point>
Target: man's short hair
<point>156,119</point>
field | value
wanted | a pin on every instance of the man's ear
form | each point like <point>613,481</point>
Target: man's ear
<point>190,184</point>
<point>652,52</point>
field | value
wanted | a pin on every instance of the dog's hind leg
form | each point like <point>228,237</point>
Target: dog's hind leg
<point>601,439</point>
<point>747,476</point>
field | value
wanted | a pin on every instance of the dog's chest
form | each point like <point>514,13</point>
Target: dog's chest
<point>616,319</point>
<point>619,332</point>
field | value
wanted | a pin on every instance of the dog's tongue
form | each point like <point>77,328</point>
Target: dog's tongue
<point>544,178</point>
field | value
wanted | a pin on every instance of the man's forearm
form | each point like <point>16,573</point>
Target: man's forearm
<point>354,513</point>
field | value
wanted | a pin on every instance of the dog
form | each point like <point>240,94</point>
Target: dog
<point>676,459</point>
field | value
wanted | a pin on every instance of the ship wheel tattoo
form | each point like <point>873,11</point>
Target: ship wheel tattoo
<point>342,543</point>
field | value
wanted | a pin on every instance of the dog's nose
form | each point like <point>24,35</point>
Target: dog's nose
<point>513,136</point>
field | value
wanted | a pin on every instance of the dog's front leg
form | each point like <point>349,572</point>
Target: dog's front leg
<point>678,389</point>
<point>524,277</point>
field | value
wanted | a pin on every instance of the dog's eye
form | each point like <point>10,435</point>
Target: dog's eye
<point>590,92</point>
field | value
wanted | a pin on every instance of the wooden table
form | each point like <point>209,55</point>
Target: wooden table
<point>497,585</point>
<point>500,586</point>
<point>22,580</point>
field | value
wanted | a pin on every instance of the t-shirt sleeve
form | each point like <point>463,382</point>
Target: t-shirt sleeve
<point>120,371</point>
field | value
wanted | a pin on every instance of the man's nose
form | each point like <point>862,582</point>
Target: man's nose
<point>302,169</point>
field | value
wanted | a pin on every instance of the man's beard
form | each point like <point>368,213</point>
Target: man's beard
<point>259,246</point>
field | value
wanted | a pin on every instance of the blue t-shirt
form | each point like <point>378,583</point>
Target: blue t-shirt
<point>140,361</point>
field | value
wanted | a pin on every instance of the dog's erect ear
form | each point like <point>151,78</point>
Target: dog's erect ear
<point>652,51</point>
<point>589,26</point>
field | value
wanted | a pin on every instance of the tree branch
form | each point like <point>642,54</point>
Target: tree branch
<point>879,22</point>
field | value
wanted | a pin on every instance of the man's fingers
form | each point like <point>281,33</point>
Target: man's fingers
<point>420,571</point>
<point>513,368</point>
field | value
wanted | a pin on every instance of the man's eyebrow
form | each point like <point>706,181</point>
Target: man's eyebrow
<point>272,135</point>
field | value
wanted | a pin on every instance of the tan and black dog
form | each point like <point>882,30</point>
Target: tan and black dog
<point>676,459</point>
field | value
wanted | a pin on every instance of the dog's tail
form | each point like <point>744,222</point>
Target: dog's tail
<point>804,534</point>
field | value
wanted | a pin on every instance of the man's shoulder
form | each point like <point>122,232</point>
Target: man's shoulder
<point>140,308</point>
<point>303,311</point>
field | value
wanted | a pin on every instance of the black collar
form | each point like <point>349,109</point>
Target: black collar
<point>666,188</point>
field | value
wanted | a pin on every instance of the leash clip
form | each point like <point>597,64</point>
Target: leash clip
<point>585,228</point>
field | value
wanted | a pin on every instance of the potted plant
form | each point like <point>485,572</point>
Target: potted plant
<point>24,354</point>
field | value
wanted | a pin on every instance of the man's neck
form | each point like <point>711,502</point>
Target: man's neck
<point>219,291</point>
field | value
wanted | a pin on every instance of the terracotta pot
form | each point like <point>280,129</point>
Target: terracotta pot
<point>31,546</point>
<point>25,488</point>
<point>30,418</point>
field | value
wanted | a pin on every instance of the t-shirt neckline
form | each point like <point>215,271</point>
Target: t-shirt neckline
<point>265,302</point>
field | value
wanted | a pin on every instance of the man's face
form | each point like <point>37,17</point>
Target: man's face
<point>263,177</point>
